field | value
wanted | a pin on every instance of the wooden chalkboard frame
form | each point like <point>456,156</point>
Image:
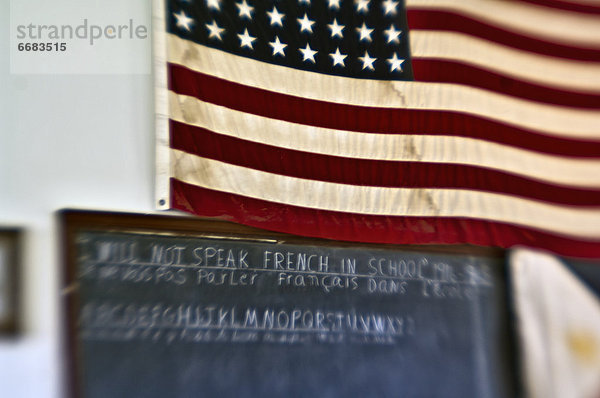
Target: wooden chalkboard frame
<point>73,221</point>
<point>10,240</point>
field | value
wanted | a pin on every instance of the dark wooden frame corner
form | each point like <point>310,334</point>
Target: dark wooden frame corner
<point>11,245</point>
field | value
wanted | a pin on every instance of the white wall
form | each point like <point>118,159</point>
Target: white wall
<point>83,141</point>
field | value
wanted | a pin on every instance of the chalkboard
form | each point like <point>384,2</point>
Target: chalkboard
<point>165,311</point>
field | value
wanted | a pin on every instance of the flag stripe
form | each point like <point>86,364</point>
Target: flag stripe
<point>583,223</point>
<point>449,21</point>
<point>369,172</point>
<point>546,71</point>
<point>438,149</point>
<point>582,7</point>
<point>367,119</point>
<point>510,18</point>
<point>385,95</point>
<point>443,71</point>
<point>377,229</point>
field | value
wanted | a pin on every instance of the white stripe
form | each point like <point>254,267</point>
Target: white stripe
<point>552,120</point>
<point>210,174</point>
<point>436,149</point>
<point>548,71</point>
<point>546,23</point>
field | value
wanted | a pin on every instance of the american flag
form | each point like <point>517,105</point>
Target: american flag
<point>416,122</point>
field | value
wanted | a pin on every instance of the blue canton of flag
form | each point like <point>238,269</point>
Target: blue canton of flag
<point>364,38</point>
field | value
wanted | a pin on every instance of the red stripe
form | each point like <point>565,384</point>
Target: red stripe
<point>341,170</point>
<point>567,6</point>
<point>443,71</point>
<point>369,229</point>
<point>368,119</point>
<point>451,21</point>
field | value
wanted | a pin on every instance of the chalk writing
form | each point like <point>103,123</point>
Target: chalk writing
<point>218,257</point>
<point>243,265</point>
<point>241,323</point>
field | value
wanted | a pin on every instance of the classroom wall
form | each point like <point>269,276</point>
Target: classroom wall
<point>66,141</point>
